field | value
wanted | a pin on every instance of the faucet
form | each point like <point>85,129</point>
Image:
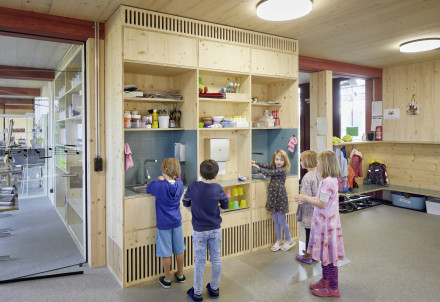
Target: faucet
<point>146,174</point>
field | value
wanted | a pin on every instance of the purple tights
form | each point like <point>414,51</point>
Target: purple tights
<point>280,221</point>
<point>330,273</point>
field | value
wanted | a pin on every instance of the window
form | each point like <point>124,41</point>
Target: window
<point>352,107</point>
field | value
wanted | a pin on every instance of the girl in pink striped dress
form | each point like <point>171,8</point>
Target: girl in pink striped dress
<point>326,244</point>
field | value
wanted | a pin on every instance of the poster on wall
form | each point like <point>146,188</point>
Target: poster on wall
<point>391,114</point>
<point>375,121</point>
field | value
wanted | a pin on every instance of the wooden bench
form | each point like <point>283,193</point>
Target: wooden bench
<point>390,187</point>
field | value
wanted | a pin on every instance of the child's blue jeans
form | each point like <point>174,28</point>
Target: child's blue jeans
<point>211,239</point>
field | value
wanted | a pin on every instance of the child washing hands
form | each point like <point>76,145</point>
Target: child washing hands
<point>326,244</point>
<point>277,200</point>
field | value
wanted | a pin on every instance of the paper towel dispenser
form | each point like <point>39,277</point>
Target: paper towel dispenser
<point>217,149</point>
<point>179,151</point>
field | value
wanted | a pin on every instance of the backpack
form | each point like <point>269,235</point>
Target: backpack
<point>377,174</point>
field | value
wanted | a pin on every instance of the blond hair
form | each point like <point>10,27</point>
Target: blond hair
<point>171,167</point>
<point>284,156</point>
<point>328,165</point>
<point>308,159</point>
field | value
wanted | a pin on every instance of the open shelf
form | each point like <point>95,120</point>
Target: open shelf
<point>223,100</point>
<point>153,129</point>
<point>152,100</point>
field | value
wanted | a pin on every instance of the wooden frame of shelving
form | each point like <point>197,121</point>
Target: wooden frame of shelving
<point>158,57</point>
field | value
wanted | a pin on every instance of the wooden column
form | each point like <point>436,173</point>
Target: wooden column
<point>321,107</point>
<point>96,187</point>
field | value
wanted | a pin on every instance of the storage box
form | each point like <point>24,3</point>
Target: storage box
<point>407,200</point>
<point>433,206</point>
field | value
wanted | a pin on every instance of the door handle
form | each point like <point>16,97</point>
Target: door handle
<point>70,175</point>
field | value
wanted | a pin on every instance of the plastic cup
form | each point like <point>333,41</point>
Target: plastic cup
<point>231,205</point>
<point>243,203</point>
<point>228,192</point>
<point>236,204</point>
<point>234,191</point>
<point>240,190</point>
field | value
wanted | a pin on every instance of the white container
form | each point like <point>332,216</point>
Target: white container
<point>433,206</point>
<point>164,121</point>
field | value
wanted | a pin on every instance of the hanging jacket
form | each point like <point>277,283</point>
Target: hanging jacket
<point>356,162</point>
<point>343,163</point>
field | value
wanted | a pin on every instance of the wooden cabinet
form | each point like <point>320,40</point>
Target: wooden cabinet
<point>154,47</point>
<point>161,57</point>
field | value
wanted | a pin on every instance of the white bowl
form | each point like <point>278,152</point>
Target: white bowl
<point>217,118</point>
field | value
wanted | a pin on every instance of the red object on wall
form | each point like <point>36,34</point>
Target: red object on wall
<point>378,133</point>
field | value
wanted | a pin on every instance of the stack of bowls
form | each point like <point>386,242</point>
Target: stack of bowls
<point>207,121</point>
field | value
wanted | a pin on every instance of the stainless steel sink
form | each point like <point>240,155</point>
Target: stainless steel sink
<point>138,188</point>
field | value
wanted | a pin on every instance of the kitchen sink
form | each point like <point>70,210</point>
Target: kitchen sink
<point>139,188</point>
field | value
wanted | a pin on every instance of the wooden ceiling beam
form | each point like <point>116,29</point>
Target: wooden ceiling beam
<point>308,64</point>
<point>26,73</point>
<point>18,91</point>
<point>16,101</point>
<point>44,25</point>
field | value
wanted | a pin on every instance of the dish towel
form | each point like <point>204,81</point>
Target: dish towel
<point>292,143</point>
<point>128,160</point>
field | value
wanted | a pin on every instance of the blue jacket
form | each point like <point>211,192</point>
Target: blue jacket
<point>168,196</point>
<point>203,198</point>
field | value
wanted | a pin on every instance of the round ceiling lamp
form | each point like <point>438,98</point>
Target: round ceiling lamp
<point>282,10</point>
<point>420,45</point>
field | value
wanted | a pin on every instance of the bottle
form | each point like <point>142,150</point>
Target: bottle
<point>155,117</point>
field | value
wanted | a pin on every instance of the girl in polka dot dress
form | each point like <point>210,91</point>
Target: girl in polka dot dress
<point>326,244</point>
<point>277,200</point>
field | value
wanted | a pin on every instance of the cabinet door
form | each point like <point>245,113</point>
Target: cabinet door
<point>147,46</point>
<point>273,63</point>
<point>221,56</point>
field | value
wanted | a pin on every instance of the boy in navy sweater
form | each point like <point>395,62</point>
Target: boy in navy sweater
<point>169,239</point>
<point>202,199</point>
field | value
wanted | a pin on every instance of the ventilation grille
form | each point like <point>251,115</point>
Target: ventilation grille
<point>166,23</point>
<point>264,231</point>
<point>142,263</point>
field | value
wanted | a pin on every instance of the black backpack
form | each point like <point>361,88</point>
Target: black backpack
<point>377,174</point>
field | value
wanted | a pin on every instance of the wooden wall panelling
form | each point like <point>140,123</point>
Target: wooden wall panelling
<point>187,84</point>
<point>399,84</point>
<point>236,231</point>
<point>148,46</point>
<point>96,187</point>
<point>321,106</point>
<point>225,57</point>
<point>139,213</point>
<point>114,149</point>
<point>266,62</point>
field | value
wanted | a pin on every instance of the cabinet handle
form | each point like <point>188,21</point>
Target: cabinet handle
<point>70,175</point>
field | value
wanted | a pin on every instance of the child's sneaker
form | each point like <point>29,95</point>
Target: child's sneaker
<point>276,247</point>
<point>193,296</point>
<point>320,284</point>
<point>307,260</point>
<point>327,292</point>
<point>288,245</point>
<point>164,283</point>
<point>214,294</point>
<point>180,279</point>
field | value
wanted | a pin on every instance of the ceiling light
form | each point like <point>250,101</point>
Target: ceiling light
<point>282,10</point>
<point>420,45</point>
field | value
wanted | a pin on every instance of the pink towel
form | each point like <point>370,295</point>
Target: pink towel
<point>292,143</point>
<point>128,160</point>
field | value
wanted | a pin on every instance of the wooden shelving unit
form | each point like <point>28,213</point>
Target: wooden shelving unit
<point>175,61</point>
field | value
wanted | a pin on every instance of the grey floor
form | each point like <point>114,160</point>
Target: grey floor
<point>394,256</point>
<point>39,240</point>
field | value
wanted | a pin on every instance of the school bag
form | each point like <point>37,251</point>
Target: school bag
<point>377,174</point>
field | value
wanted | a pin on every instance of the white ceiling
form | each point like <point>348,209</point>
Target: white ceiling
<point>364,32</point>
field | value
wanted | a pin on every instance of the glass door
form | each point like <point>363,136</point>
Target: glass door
<point>68,150</point>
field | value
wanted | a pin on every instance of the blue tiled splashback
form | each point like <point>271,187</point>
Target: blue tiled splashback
<point>160,145</point>
<point>267,141</point>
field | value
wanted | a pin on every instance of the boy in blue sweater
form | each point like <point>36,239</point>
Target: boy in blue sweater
<point>202,199</point>
<point>169,239</point>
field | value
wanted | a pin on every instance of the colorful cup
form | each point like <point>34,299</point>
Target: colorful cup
<point>243,203</point>
<point>228,192</point>
<point>234,191</point>
<point>231,205</point>
<point>236,204</point>
<point>240,191</point>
